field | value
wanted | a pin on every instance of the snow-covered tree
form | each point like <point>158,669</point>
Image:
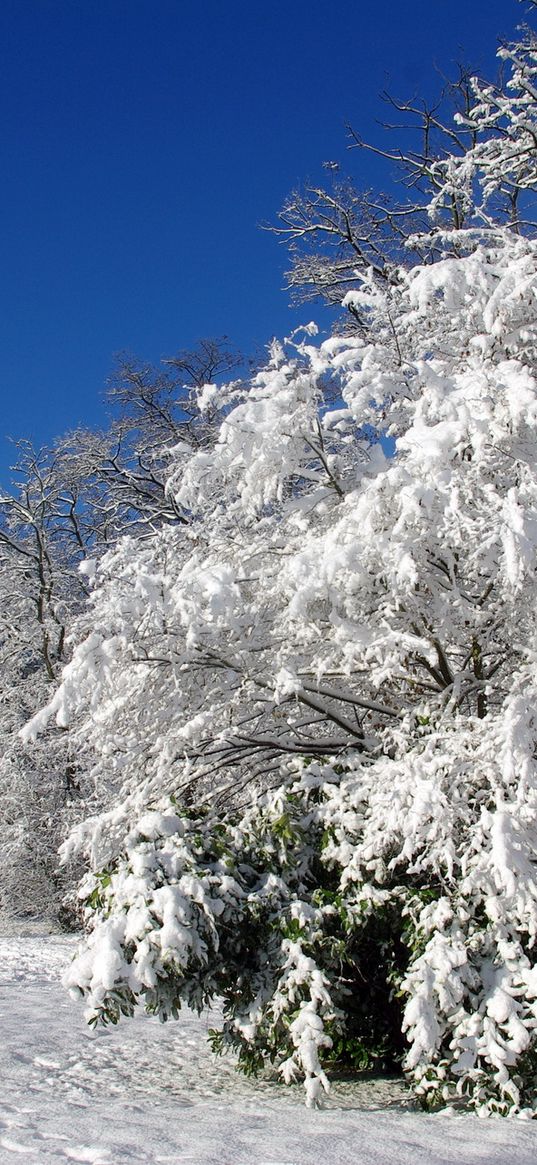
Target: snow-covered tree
<point>156,413</point>
<point>314,702</point>
<point>45,529</point>
<point>67,504</point>
<point>463,164</point>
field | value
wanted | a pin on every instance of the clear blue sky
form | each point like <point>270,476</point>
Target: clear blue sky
<point>143,141</point>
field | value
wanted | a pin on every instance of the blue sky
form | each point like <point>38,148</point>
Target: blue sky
<point>143,141</point>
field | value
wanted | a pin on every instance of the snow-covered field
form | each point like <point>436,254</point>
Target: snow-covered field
<point>143,1094</point>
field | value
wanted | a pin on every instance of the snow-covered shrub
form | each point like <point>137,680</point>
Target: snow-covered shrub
<point>337,911</point>
<point>244,909</point>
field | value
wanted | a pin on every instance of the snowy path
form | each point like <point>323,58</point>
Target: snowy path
<point>144,1094</point>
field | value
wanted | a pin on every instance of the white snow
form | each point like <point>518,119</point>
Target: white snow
<point>145,1094</point>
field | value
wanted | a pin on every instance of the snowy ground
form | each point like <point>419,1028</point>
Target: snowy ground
<point>143,1094</point>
